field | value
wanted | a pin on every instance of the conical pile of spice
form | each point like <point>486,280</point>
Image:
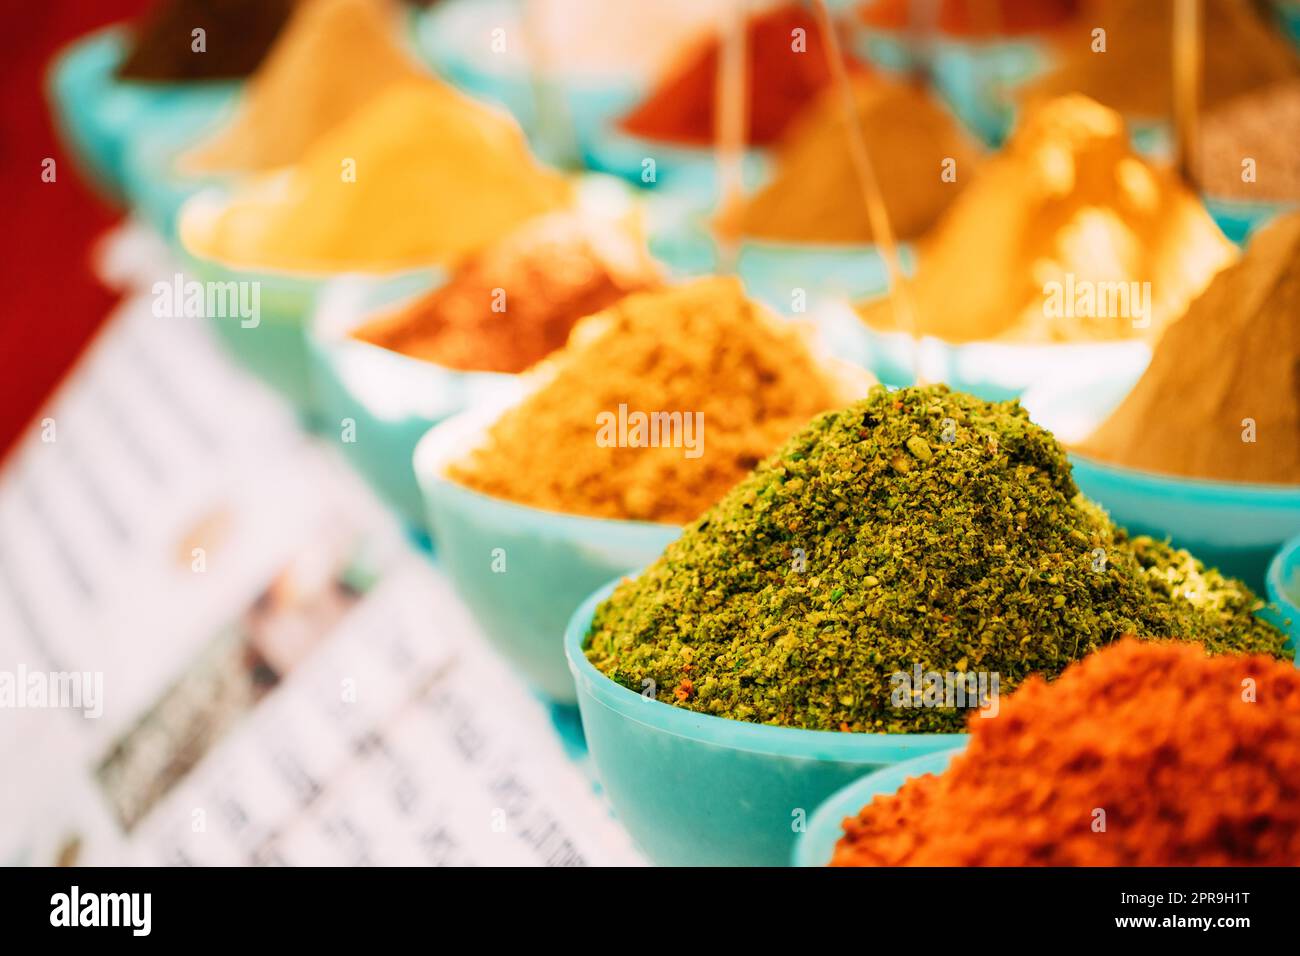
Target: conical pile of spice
<point>785,68</point>
<point>921,529</point>
<point>334,58</point>
<point>1248,146</point>
<point>1221,397</point>
<point>421,175</point>
<point>236,36</point>
<point>510,305</point>
<point>656,407</point>
<point>919,154</point>
<point>1141,755</point>
<point>1133,74</point>
<point>1065,235</point>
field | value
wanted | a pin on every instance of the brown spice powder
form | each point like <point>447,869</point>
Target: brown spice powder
<point>698,348</point>
<point>1263,127</point>
<point>1241,52</point>
<point>815,196</point>
<point>1227,370</point>
<point>513,303</point>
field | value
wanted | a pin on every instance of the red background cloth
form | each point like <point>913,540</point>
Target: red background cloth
<point>52,304</point>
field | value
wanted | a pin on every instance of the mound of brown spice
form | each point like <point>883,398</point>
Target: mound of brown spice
<point>1221,397</point>
<point>1241,52</point>
<point>738,381</point>
<point>236,37</point>
<point>1248,146</point>
<point>1140,755</point>
<point>815,196</point>
<point>512,304</point>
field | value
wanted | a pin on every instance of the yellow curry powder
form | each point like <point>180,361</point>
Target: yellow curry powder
<point>333,58</point>
<point>1221,397</point>
<point>740,381</point>
<point>421,175</point>
<point>1065,235</point>
<point>510,305</point>
<point>815,196</point>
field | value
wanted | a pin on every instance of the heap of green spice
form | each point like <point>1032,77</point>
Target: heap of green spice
<point>921,526</point>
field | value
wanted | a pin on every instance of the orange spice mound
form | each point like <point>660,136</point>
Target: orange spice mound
<point>742,380</point>
<point>513,303</point>
<point>974,18</point>
<point>780,81</point>
<point>1140,755</point>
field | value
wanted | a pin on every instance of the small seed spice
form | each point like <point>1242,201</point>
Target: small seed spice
<point>922,526</point>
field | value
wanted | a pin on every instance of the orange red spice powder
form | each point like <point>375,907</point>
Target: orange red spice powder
<point>1140,755</point>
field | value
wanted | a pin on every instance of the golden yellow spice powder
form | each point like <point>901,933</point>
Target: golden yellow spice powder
<point>421,175</point>
<point>921,158</point>
<point>1065,235</point>
<point>333,58</point>
<point>508,306</point>
<point>729,383</point>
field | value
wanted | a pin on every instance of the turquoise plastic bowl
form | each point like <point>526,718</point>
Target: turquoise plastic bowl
<point>451,37</point>
<point>995,371</point>
<point>697,790</point>
<point>155,187</point>
<point>681,238</point>
<point>275,349</point>
<point>1234,526</point>
<point>816,845</point>
<point>1240,220</point>
<point>99,116</point>
<point>391,400</point>
<point>1283,584</point>
<point>552,560</point>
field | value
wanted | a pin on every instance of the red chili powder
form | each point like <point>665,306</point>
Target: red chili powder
<point>783,75</point>
<point>1140,755</point>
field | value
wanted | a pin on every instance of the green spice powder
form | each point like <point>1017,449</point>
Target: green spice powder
<point>917,527</point>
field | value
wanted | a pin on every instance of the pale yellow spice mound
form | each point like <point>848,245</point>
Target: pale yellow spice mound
<point>333,58</point>
<point>815,196</point>
<point>421,175</point>
<point>1227,371</point>
<point>701,347</point>
<point>1065,209</point>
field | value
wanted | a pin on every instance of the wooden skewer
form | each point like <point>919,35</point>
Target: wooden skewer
<point>877,214</point>
<point>1186,85</point>
<point>554,125</point>
<point>730,120</point>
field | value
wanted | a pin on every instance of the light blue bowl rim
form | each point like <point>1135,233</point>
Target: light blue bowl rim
<point>721,731</point>
<point>431,479</point>
<point>826,819</point>
<point>1206,490</point>
<point>1277,592</point>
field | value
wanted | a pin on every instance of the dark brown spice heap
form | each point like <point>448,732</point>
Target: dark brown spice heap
<point>236,36</point>
<point>918,527</point>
